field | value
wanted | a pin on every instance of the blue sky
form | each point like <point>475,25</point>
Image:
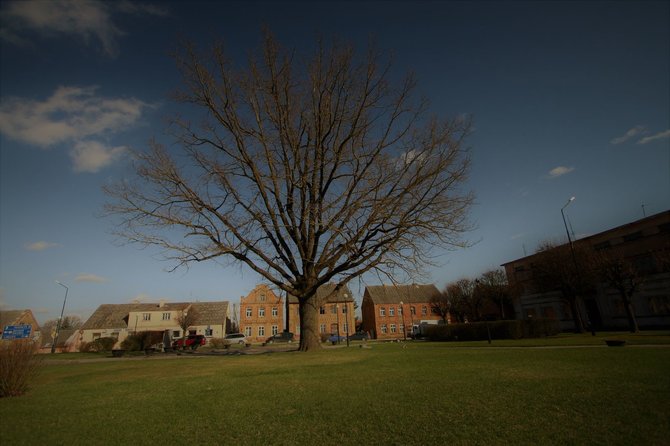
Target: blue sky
<point>568,99</point>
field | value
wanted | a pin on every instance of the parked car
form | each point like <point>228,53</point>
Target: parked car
<point>284,336</point>
<point>359,336</point>
<point>335,338</point>
<point>192,341</point>
<point>236,338</point>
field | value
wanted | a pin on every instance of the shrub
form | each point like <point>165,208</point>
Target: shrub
<point>142,340</point>
<point>479,331</point>
<point>19,363</point>
<point>219,343</point>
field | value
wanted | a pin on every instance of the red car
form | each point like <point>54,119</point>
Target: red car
<point>193,341</point>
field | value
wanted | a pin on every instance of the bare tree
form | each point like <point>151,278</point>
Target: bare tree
<point>493,286</point>
<point>306,172</point>
<point>185,319</point>
<point>465,301</point>
<point>620,274</point>
<point>568,269</point>
<point>440,304</point>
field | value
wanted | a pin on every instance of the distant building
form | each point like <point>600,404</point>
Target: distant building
<point>261,314</point>
<point>119,320</point>
<point>645,243</point>
<point>336,312</point>
<point>397,311</point>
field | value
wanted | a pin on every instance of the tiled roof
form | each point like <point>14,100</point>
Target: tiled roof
<point>113,315</point>
<point>393,294</point>
<point>343,295</point>
<point>9,317</point>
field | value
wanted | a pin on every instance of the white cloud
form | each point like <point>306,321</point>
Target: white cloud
<point>71,113</point>
<point>41,246</point>
<point>90,20</point>
<point>91,156</point>
<point>660,135</point>
<point>560,171</point>
<point>92,278</point>
<point>632,133</point>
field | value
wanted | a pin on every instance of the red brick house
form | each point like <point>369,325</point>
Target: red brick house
<point>261,314</point>
<point>396,311</point>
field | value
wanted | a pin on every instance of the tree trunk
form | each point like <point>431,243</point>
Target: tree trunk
<point>630,312</point>
<point>310,338</point>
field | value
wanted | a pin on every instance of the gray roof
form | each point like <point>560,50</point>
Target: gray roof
<point>343,295</point>
<point>12,317</point>
<point>393,294</point>
<point>114,315</point>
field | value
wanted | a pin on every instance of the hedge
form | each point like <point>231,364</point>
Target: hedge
<point>479,331</point>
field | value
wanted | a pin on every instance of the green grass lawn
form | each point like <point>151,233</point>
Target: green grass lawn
<point>414,393</point>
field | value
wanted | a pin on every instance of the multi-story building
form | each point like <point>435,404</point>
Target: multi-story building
<point>261,314</point>
<point>397,311</point>
<point>336,312</point>
<point>120,320</point>
<point>644,243</point>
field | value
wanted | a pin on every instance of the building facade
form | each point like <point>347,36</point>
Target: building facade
<point>336,312</point>
<point>120,320</point>
<point>21,317</point>
<point>261,314</point>
<point>644,243</point>
<point>397,311</point>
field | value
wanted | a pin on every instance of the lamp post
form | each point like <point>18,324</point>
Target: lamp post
<point>347,319</point>
<point>572,251</point>
<point>53,346</point>
<point>401,310</point>
<point>337,310</point>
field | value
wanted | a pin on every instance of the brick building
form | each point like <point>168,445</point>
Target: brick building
<point>336,312</point>
<point>261,314</point>
<point>645,243</point>
<point>396,311</point>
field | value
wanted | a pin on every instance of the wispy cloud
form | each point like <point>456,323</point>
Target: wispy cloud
<point>658,136</point>
<point>90,20</point>
<point>559,171</point>
<point>41,246</point>
<point>630,134</point>
<point>72,115</point>
<point>92,278</point>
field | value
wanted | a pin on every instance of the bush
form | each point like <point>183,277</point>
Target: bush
<point>19,363</point>
<point>479,331</point>
<point>219,343</point>
<point>142,340</point>
<point>99,345</point>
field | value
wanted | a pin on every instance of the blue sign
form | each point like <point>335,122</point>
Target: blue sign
<point>17,332</point>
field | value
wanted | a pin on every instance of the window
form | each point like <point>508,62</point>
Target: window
<point>412,310</point>
<point>297,329</point>
<point>261,331</point>
<point>261,312</point>
<point>322,310</point>
<point>208,331</point>
<point>275,311</point>
<point>275,330</point>
<point>402,328</point>
<point>248,312</point>
<point>146,316</point>
<point>322,328</point>
<point>345,327</point>
<point>262,297</point>
<point>392,328</point>
<point>424,311</point>
<point>176,333</point>
<point>96,336</point>
<point>399,311</point>
<point>166,316</point>
<point>391,311</point>
<point>382,311</point>
<point>344,309</point>
<point>333,309</point>
<point>633,236</point>
<point>247,331</point>
<point>384,329</point>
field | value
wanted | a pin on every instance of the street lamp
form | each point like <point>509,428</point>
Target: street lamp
<point>402,320</point>
<point>53,346</point>
<point>564,223</point>
<point>572,250</point>
<point>337,310</point>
